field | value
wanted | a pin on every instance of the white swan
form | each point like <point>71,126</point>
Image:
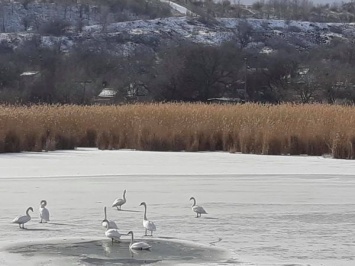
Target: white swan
<point>112,233</point>
<point>119,202</point>
<point>137,245</point>
<point>198,209</point>
<point>21,220</point>
<point>111,224</point>
<point>43,212</point>
<point>148,225</point>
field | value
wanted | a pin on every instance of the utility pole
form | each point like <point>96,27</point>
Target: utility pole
<point>83,83</point>
<point>245,76</point>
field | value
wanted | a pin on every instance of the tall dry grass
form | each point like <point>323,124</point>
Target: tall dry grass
<point>249,128</point>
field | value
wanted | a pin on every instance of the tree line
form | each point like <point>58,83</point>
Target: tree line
<point>180,71</point>
<point>274,9</point>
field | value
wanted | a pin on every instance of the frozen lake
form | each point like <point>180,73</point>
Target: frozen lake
<point>262,210</point>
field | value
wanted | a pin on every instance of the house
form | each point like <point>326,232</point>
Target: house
<point>106,96</point>
<point>138,93</point>
<point>134,93</point>
<point>225,100</point>
<point>28,78</point>
<point>29,74</point>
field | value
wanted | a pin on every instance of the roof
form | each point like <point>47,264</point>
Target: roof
<point>29,73</point>
<point>107,93</point>
<point>225,100</point>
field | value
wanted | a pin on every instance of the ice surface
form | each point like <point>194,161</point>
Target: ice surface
<point>265,210</point>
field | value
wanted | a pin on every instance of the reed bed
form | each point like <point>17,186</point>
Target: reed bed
<point>249,128</point>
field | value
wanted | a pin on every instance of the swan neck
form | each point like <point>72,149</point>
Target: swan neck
<point>132,238</point>
<point>28,212</point>
<point>194,202</point>
<point>124,196</point>
<point>145,212</point>
<point>105,213</point>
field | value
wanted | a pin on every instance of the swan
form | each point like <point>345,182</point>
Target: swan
<point>21,220</point>
<point>148,225</point>
<point>137,245</point>
<point>198,209</point>
<point>119,202</point>
<point>43,212</point>
<point>112,233</point>
<point>111,224</point>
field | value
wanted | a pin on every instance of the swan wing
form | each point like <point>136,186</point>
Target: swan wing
<point>16,220</point>
<point>113,233</point>
<point>149,225</point>
<point>118,202</point>
<point>112,225</point>
<point>140,246</point>
<point>199,209</point>
<point>44,214</point>
<point>21,219</point>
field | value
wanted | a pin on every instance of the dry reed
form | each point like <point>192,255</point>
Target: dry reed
<point>250,128</point>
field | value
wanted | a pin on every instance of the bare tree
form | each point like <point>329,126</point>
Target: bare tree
<point>304,84</point>
<point>169,68</point>
<point>243,33</point>
<point>2,17</point>
<point>278,69</point>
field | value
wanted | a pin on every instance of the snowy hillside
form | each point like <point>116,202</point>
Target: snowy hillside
<point>99,29</point>
<point>148,33</point>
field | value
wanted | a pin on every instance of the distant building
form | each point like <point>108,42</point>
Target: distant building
<point>106,96</point>
<point>131,94</point>
<point>28,78</point>
<point>29,74</point>
<point>225,100</point>
<point>137,93</point>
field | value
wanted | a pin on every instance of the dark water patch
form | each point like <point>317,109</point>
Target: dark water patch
<point>104,252</point>
<point>93,261</point>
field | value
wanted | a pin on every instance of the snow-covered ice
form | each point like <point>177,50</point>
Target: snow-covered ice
<point>264,210</point>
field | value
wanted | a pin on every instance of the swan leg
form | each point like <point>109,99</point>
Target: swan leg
<point>145,232</point>
<point>151,233</point>
<point>19,225</point>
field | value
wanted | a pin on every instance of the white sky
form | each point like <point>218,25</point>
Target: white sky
<point>314,1</point>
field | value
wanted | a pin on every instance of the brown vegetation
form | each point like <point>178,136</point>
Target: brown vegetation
<point>249,128</point>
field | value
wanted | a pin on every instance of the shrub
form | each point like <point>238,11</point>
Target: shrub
<point>55,27</point>
<point>12,142</point>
